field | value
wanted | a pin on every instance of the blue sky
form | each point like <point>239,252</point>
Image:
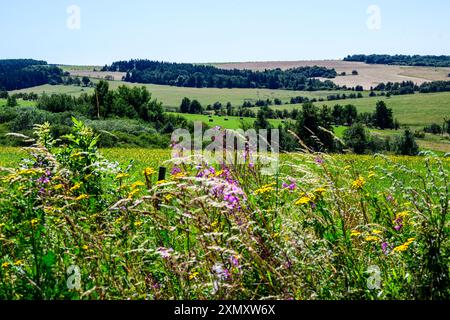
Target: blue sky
<point>219,31</point>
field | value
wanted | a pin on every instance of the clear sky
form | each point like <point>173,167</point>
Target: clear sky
<point>220,31</point>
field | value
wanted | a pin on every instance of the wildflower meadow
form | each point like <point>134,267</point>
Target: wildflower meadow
<point>77,222</point>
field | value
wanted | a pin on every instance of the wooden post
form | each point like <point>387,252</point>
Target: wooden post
<point>162,173</point>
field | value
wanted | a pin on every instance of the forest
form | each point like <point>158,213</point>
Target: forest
<point>402,60</point>
<point>25,73</point>
<point>204,76</point>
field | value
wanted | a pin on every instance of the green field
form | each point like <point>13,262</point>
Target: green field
<point>22,103</point>
<point>416,110</point>
<point>172,96</point>
<point>231,123</point>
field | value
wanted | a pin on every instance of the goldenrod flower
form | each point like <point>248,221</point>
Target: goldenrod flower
<point>193,275</point>
<point>82,197</point>
<point>355,233</point>
<point>372,239</point>
<point>376,231</point>
<point>58,187</point>
<point>5,265</point>
<point>121,176</point>
<point>400,248</point>
<point>304,200</point>
<point>149,171</point>
<point>320,190</point>
<point>75,187</point>
<point>18,263</point>
<point>133,193</point>
<point>358,183</point>
<point>402,215</point>
<point>137,185</point>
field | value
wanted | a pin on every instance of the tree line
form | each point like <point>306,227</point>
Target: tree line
<point>18,74</point>
<point>402,60</point>
<point>204,76</point>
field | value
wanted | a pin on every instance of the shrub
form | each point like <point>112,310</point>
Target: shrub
<point>406,145</point>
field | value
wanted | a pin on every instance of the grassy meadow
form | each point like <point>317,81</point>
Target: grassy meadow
<point>83,223</point>
<point>171,96</point>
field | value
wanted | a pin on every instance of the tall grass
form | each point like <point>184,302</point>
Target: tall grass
<point>324,227</point>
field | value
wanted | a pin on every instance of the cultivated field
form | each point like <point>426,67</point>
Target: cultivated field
<point>368,75</point>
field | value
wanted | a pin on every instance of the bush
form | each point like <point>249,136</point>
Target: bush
<point>406,145</point>
<point>433,129</point>
<point>356,137</point>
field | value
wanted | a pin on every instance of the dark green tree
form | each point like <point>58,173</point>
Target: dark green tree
<point>383,116</point>
<point>185,105</point>
<point>356,138</point>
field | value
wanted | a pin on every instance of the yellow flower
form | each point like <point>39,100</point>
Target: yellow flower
<point>121,176</point>
<point>149,171</point>
<point>75,187</point>
<point>358,183</point>
<point>137,184</point>
<point>371,174</point>
<point>320,190</point>
<point>376,231</point>
<point>355,233</point>
<point>178,175</point>
<point>168,197</point>
<point>304,200</point>
<point>400,248</point>
<point>34,222</point>
<point>133,193</point>
<point>5,265</point>
<point>161,182</point>
<point>219,173</point>
<point>347,167</point>
<point>118,220</point>
<point>193,275</point>
<point>82,197</point>
<point>372,239</point>
<point>402,215</point>
<point>263,190</point>
<point>58,187</point>
<point>215,223</point>
<point>85,247</point>
<point>138,223</point>
<point>18,263</point>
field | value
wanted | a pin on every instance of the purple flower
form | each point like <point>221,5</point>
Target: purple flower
<point>291,185</point>
<point>385,247</point>
<point>234,261</point>
<point>164,252</point>
<point>390,198</point>
<point>398,224</point>
<point>175,171</point>
<point>319,160</point>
